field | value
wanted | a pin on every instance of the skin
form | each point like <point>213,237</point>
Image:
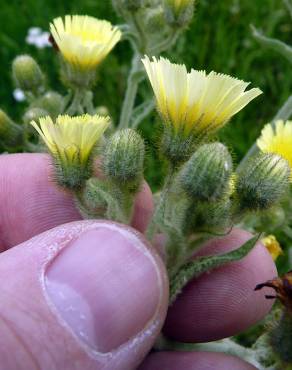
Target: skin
<point>32,336</point>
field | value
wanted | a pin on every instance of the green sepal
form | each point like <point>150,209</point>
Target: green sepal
<point>100,199</point>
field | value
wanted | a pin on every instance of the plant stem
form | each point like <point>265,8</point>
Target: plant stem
<point>288,5</point>
<point>273,44</point>
<point>142,45</point>
<point>132,87</point>
<point>159,213</point>
<point>225,346</point>
<point>76,101</point>
<point>165,44</point>
<point>140,112</point>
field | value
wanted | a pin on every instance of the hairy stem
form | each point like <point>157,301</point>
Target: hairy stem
<point>166,43</point>
<point>132,87</point>
<point>141,112</point>
<point>75,103</point>
<point>225,346</point>
<point>159,214</point>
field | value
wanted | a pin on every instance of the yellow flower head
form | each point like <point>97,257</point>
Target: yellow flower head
<point>273,246</point>
<point>71,139</point>
<point>195,101</point>
<point>84,41</point>
<point>277,140</point>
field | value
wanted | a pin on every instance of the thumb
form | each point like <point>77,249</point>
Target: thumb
<point>86,295</point>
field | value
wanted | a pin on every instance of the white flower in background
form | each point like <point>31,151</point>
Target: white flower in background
<point>37,37</point>
<point>18,95</point>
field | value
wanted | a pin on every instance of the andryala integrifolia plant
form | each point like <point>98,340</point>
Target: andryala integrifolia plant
<point>204,194</point>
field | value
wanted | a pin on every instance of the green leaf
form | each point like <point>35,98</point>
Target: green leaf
<point>198,266</point>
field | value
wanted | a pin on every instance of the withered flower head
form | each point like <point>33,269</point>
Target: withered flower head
<point>283,288</point>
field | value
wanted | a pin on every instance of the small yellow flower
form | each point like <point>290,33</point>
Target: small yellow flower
<point>71,139</point>
<point>84,41</point>
<point>277,140</point>
<point>195,101</point>
<point>273,246</point>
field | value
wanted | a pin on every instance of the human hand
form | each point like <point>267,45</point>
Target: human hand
<point>93,295</point>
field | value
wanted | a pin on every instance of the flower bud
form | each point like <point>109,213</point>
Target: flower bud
<point>10,133</point>
<point>51,102</point>
<point>33,114</point>
<point>123,159</point>
<point>27,74</point>
<point>155,19</point>
<point>178,13</point>
<point>206,175</point>
<point>102,110</point>
<point>130,5</point>
<point>262,182</point>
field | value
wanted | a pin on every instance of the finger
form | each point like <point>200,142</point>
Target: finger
<point>75,298</point>
<point>30,201</point>
<point>223,302</point>
<point>194,361</point>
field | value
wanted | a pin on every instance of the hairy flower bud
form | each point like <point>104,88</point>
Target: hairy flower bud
<point>123,159</point>
<point>27,74</point>
<point>155,19</point>
<point>10,133</point>
<point>130,5</point>
<point>102,110</point>
<point>206,175</point>
<point>34,114</point>
<point>262,182</point>
<point>178,13</point>
<point>52,102</point>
